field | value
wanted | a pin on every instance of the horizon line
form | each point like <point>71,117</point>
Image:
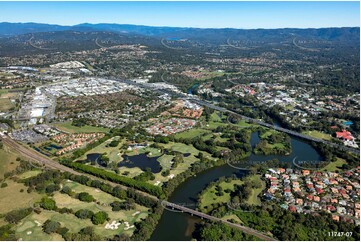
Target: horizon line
<point>164,26</point>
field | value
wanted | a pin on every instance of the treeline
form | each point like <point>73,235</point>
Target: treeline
<point>288,226</point>
<point>330,154</point>
<point>98,172</point>
<point>218,231</point>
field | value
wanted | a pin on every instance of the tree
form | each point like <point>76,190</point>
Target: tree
<point>52,188</point>
<point>17,215</point>
<point>50,226</point>
<point>99,217</point>
<point>85,197</point>
<point>48,203</point>
<point>84,214</point>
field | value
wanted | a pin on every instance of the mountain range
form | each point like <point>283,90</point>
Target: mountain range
<point>330,34</point>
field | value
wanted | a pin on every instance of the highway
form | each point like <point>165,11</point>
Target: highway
<point>271,126</point>
<point>244,229</point>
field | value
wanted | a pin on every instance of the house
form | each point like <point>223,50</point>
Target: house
<point>305,172</point>
<point>299,201</point>
<point>331,208</point>
<point>292,209</point>
<point>344,135</point>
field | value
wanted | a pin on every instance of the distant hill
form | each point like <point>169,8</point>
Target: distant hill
<point>348,34</point>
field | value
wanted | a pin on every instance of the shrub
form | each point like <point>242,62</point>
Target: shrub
<point>15,216</point>
<point>50,226</point>
<point>48,203</point>
<point>84,214</point>
<point>99,217</point>
<point>85,197</point>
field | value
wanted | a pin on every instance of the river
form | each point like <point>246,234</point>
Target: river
<point>175,226</point>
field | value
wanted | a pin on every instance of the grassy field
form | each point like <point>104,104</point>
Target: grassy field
<point>100,196</point>
<point>318,134</point>
<point>254,199</point>
<point>6,104</point>
<point>210,196</point>
<point>30,228</point>
<point>28,174</point>
<point>11,198</point>
<point>7,161</point>
<point>114,153</point>
<point>333,166</point>
<point>267,148</point>
<point>164,160</point>
<point>67,127</point>
<point>192,133</point>
<point>5,98</point>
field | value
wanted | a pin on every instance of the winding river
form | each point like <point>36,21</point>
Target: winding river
<point>175,226</point>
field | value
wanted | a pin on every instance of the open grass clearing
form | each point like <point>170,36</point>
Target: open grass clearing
<point>210,196</point>
<point>333,166</point>
<point>254,199</point>
<point>102,197</point>
<point>192,133</point>
<point>7,161</point>
<point>6,104</point>
<point>63,200</point>
<point>11,198</point>
<point>114,153</point>
<point>318,134</point>
<point>29,174</point>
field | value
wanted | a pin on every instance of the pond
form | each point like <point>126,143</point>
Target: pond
<point>142,161</point>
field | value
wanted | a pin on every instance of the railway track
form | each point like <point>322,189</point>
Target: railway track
<point>52,164</point>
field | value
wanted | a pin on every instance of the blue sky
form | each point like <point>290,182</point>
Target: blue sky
<point>188,14</point>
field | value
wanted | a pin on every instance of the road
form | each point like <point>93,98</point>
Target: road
<point>271,126</point>
<point>52,164</point>
<point>246,230</point>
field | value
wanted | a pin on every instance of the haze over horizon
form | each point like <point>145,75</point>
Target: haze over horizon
<point>240,15</point>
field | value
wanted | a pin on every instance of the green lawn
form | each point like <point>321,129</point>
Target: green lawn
<point>67,127</point>
<point>210,196</point>
<point>12,198</point>
<point>318,134</point>
<point>7,161</point>
<point>333,166</point>
<point>192,133</point>
<point>30,228</point>
<point>28,174</point>
<point>114,153</point>
<point>254,199</point>
<point>6,104</point>
<point>100,196</point>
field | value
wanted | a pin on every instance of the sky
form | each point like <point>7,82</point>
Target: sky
<point>246,15</point>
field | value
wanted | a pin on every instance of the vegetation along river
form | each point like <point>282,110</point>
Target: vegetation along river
<point>180,226</point>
